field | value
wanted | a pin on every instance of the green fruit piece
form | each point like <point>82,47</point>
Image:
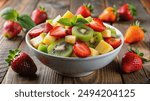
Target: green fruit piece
<point>113,32</point>
<point>42,48</point>
<point>97,37</point>
<point>89,19</point>
<point>60,48</point>
<point>83,33</point>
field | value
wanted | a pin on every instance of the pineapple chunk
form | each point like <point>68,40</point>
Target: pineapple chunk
<point>80,16</point>
<point>37,40</point>
<point>48,39</point>
<point>68,14</point>
<point>93,52</point>
<point>106,33</point>
<point>70,39</point>
<point>54,22</point>
<point>103,47</point>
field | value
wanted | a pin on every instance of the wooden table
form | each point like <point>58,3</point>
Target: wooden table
<point>109,74</point>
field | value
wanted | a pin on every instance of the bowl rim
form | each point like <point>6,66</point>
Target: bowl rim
<point>77,58</point>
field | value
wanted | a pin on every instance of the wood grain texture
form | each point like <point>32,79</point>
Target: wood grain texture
<point>146,4</point>
<point>110,73</point>
<point>143,17</point>
<point>25,6</point>
<point>44,74</point>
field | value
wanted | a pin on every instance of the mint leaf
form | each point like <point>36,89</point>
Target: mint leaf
<point>65,21</point>
<point>9,14</point>
<point>26,22</point>
<point>81,21</point>
<point>73,21</point>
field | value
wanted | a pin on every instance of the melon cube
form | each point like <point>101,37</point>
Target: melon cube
<point>54,22</point>
<point>93,52</point>
<point>37,40</point>
<point>68,14</point>
<point>103,47</point>
<point>70,39</point>
<point>48,39</point>
<point>106,33</point>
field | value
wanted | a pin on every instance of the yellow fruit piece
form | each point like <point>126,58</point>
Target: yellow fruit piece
<point>106,33</point>
<point>48,39</point>
<point>103,47</point>
<point>70,39</point>
<point>93,52</point>
<point>54,22</point>
<point>37,40</point>
<point>68,14</point>
<point>80,16</point>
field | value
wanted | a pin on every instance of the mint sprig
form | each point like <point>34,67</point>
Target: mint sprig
<point>73,21</point>
<point>9,14</point>
<point>24,20</point>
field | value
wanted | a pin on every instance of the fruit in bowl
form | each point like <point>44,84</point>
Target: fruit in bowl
<point>74,45</point>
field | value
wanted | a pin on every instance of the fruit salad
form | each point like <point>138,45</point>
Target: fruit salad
<point>74,36</point>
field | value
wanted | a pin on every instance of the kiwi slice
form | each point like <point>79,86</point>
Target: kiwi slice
<point>97,37</point>
<point>42,48</point>
<point>83,33</point>
<point>60,48</point>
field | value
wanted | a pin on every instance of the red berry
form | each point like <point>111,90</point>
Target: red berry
<point>81,49</point>
<point>39,15</point>
<point>21,63</point>
<point>131,62</point>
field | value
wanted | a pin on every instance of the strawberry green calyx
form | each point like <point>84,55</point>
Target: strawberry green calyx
<point>132,9</point>
<point>42,9</point>
<point>136,51</point>
<point>12,55</point>
<point>89,6</point>
<point>137,23</point>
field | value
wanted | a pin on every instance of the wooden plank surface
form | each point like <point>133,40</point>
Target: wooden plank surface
<point>109,74</point>
<point>6,44</point>
<point>44,74</point>
<point>146,4</point>
<point>140,76</point>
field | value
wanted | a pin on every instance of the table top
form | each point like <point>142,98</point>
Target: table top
<point>111,74</point>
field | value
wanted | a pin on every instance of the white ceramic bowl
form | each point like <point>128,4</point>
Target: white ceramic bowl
<point>74,66</point>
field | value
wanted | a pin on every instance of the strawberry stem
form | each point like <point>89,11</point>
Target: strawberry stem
<point>42,8</point>
<point>136,51</point>
<point>137,23</point>
<point>132,9</point>
<point>12,55</point>
<point>89,6</point>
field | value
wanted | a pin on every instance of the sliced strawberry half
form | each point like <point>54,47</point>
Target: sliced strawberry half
<point>81,49</point>
<point>114,42</point>
<point>35,32</point>
<point>97,25</point>
<point>58,32</point>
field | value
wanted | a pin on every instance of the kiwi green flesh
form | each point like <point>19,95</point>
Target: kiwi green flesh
<point>97,37</point>
<point>113,32</point>
<point>60,48</point>
<point>83,33</point>
<point>42,48</point>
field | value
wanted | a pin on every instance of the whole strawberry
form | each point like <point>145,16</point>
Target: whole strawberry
<point>134,33</point>
<point>85,10</point>
<point>39,15</point>
<point>21,63</point>
<point>11,29</point>
<point>132,61</point>
<point>127,12</point>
